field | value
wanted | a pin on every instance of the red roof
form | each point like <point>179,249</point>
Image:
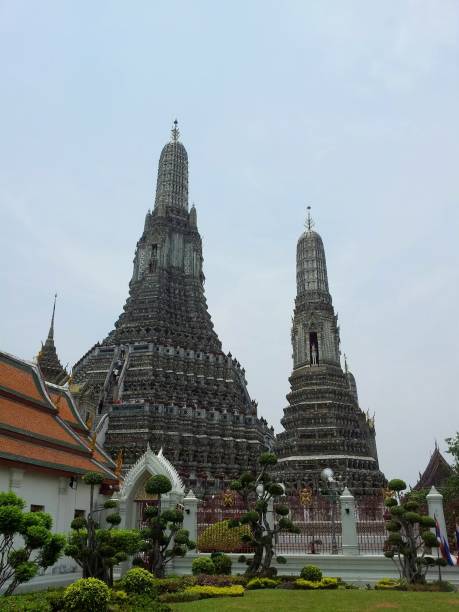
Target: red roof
<point>40,425</point>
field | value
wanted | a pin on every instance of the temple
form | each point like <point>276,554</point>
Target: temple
<point>436,473</point>
<point>161,377</point>
<point>324,425</point>
<point>47,358</point>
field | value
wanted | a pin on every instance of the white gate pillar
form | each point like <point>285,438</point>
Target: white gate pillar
<point>350,543</point>
<point>190,515</point>
<point>435,506</point>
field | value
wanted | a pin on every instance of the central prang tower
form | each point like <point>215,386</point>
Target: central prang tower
<point>324,425</point>
<point>161,377</point>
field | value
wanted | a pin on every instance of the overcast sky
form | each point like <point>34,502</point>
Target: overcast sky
<point>350,107</point>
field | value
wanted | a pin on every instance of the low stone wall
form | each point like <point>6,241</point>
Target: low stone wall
<point>359,570</point>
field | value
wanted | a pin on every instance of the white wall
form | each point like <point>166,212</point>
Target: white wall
<point>60,501</point>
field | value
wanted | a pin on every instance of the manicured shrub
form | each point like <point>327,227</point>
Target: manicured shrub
<point>210,591</point>
<point>206,580</point>
<point>136,603</point>
<point>203,565</point>
<point>220,537</point>
<point>172,585</point>
<point>388,584</point>
<point>179,597</point>
<point>262,583</point>
<point>140,581</point>
<point>88,594</point>
<point>325,583</point>
<point>311,572</point>
<point>222,563</point>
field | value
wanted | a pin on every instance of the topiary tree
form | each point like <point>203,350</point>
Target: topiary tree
<point>88,594</point>
<point>98,550</point>
<point>260,492</point>
<point>203,565</point>
<point>409,535</point>
<point>164,537</point>
<point>21,558</point>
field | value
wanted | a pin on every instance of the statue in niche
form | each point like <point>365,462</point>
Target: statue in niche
<point>314,354</point>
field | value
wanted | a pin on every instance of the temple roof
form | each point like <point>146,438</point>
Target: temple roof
<point>39,425</point>
<point>436,472</point>
<point>47,358</point>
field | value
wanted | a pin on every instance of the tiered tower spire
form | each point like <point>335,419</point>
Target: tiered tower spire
<point>324,425</point>
<point>161,375</point>
<point>48,359</point>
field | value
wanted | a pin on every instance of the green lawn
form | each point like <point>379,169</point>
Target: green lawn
<point>335,601</point>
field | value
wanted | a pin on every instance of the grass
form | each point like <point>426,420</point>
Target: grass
<point>327,601</point>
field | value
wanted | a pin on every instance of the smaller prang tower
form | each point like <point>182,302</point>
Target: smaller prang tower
<point>47,358</point>
<point>323,423</point>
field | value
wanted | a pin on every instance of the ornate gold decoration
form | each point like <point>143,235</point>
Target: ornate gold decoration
<point>305,496</point>
<point>92,442</point>
<point>229,498</point>
<point>119,462</point>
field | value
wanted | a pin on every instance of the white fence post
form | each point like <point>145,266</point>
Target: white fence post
<point>190,516</point>
<point>435,506</point>
<point>350,543</point>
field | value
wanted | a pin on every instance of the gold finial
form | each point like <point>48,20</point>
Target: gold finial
<point>175,132</point>
<point>89,421</point>
<point>119,462</point>
<point>309,222</point>
<point>92,442</point>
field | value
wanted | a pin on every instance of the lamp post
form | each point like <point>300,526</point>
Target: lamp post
<point>333,491</point>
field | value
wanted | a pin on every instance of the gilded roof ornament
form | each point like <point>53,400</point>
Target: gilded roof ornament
<point>309,221</point>
<point>175,132</point>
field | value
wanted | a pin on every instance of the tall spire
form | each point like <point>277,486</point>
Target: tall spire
<point>309,222</point>
<point>311,266</point>
<point>175,132</point>
<point>172,184</point>
<point>48,359</point>
<point>51,328</point>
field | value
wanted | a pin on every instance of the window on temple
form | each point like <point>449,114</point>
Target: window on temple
<point>79,513</point>
<point>313,348</point>
<point>36,508</point>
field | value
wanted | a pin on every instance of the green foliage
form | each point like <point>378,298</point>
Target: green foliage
<point>93,478</point>
<point>139,581</point>
<point>408,535</point>
<point>222,564</point>
<point>281,560</point>
<point>88,594</point>
<point>388,584</point>
<point>396,484</point>
<point>211,591</point>
<point>203,565</point>
<point>179,597</point>
<point>281,510</point>
<point>222,537</point>
<point>158,485</point>
<point>40,547</point>
<point>311,572</point>
<point>390,501</point>
<point>268,459</point>
<point>259,492</point>
<point>261,583</point>
<point>110,503</point>
<point>113,519</point>
<point>325,583</point>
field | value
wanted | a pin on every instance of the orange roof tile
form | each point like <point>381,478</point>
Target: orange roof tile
<point>63,406</point>
<point>21,381</point>
<point>33,420</point>
<point>28,452</point>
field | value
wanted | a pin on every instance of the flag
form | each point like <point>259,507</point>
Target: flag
<point>443,544</point>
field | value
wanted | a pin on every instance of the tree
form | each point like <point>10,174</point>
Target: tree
<point>164,537</point>
<point>262,492</point>
<point>409,535</point>
<point>98,550</point>
<point>39,547</point>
